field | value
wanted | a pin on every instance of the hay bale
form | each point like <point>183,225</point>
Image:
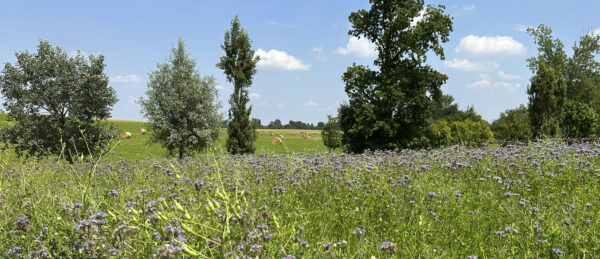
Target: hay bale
<point>126,135</point>
<point>271,134</point>
<point>142,131</point>
<point>276,141</point>
<point>306,137</point>
<point>280,136</point>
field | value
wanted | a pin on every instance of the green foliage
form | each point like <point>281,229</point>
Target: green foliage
<point>513,125</point>
<point>583,72</point>
<point>464,132</point>
<point>558,79</point>
<point>391,107</point>
<point>444,108</point>
<point>239,66</point>
<point>579,120</point>
<point>180,105</point>
<point>331,135</point>
<point>57,103</point>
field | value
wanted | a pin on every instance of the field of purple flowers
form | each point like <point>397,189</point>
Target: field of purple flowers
<point>537,200</point>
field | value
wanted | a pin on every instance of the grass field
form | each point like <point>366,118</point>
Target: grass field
<point>137,147</point>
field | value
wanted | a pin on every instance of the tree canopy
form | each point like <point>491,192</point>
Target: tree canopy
<point>180,105</point>
<point>391,107</point>
<point>57,101</point>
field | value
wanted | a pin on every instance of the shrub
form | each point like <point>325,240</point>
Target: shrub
<point>513,125</point>
<point>444,133</point>
<point>331,135</point>
<point>579,120</point>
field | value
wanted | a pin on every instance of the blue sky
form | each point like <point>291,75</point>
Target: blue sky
<point>304,46</point>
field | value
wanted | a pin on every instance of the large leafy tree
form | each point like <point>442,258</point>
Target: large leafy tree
<point>180,105</point>
<point>548,88</point>
<point>391,107</point>
<point>58,103</point>
<point>239,65</point>
<point>582,72</point>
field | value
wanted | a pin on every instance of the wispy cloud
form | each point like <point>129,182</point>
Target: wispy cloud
<point>311,103</point>
<point>466,65</point>
<point>521,27</point>
<point>281,25</point>
<point>254,96</point>
<point>219,87</point>
<point>506,76</point>
<point>317,53</point>
<point>470,7</point>
<point>360,47</point>
<point>126,79</point>
<point>277,59</point>
<point>486,84</point>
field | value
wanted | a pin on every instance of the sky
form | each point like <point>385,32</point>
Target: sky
<point>304,46</point>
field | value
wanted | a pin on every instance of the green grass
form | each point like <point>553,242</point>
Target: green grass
<point>137,147</point>
<point>517,202</point>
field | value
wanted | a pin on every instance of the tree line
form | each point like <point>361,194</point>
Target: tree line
<point>59,102</point>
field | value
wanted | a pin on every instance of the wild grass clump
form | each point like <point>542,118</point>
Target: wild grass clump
<point>538,200</point>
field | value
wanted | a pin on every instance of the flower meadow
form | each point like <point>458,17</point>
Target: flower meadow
<point>531,200</point>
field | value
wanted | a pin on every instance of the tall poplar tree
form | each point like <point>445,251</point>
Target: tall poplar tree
<point>239,65</point>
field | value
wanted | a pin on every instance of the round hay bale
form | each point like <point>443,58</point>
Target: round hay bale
<point>280,136</point>
<point>271,134</point>
<point>276,141</point>
<point>306,137</point>
<point>142,131</point>
<point>126,135</point>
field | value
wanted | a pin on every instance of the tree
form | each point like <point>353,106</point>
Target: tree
<point>391,107</point>
<point>513,125</point>
<point>548,88</point>
<point>180,105</point>
<point>276,124</point>
<point>582,72</point>
<point>444,108</point>
<point>239,65</point>
<point>331,135</point>
<point>58,103</point>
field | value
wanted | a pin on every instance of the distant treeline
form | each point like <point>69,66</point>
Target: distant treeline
<point>276,124</point>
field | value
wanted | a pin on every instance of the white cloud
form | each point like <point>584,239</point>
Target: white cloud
<point>254,96</point>
<point>219,87</point>
<point>318,54</point>
<point>126,79</point>
<point>311,103</point>
<point>470,7</point>
<point>483,83</point>
<point>359,47</point>
<point>419,18</point>
<point>466,65</point>
<point>596,31</point>
<point>277,59</point>
<point>483,45</point>
<point>507,86</point>
<point>506,76</point>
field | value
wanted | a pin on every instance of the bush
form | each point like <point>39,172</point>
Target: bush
<point>513,125</point>
<point>444,133</point>
<point>331,135</point>
<point>579,120</point>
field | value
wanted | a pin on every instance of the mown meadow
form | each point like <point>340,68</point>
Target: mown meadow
<point>525,201</point>
<point>138,147</point>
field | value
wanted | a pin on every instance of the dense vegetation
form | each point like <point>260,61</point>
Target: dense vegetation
<point>518,201</point>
